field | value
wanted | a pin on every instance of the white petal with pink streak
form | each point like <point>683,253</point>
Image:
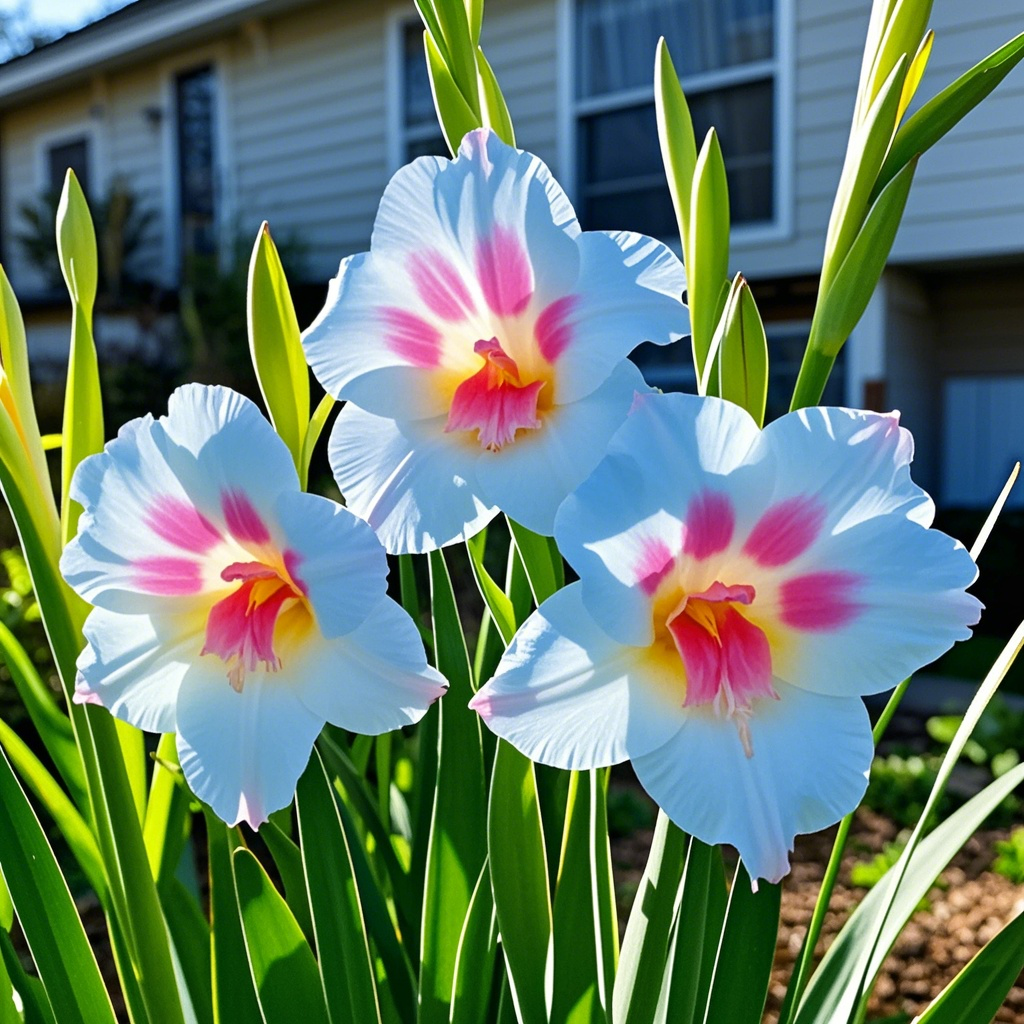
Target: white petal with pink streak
<point>336,560</point>
<point>671,451</point>
<point>566,694</point>
<point>628,291</point>
<point>531,477</point>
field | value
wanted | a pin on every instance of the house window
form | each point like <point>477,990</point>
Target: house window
<point>73,153</point>
<point>420,132</point>
<point>195,94</point>
<point>725,54</point>
<point>670,367</point>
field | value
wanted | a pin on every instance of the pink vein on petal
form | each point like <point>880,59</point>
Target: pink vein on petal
<point>820,601</point>
<point>553,330</point>
<point>411,337</point>
<point>503,269</point>
<point>440,286</point>
<point>168,576</point>
<point>181,524</point>
<point>785,531</point>
<point>709,525</point>
<point>242,519</point>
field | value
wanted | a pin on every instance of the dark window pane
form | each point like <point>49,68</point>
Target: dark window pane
<point>434,145</point>
<point>615,39</point>
<point>670,367</point>
<point>620,169</point>
<point>785,353</point>
<point>74,154</point>
<point>196,159</point>
<point>417,100</point>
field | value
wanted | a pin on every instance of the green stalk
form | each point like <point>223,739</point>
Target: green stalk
<point>803,969</point>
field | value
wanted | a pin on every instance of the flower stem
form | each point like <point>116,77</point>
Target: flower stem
<point>801,974</point>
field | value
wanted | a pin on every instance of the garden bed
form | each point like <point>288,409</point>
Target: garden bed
<point>965,911</point>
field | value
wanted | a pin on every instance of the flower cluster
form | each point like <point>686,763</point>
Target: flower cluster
<point>739,589</point>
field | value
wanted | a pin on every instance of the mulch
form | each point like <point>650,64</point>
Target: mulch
<point>969,906</point>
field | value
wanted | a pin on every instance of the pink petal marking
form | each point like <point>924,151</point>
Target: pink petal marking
<point>504,271</point>
<point>411,337</point>
<point>785,531</point>
<point>701,654</point>
<point>709,525</point>
<point>440,286</point>
<point>720,648</point>
<point>553,330</point>
<point>654,564</point>
<point>741,593</point>
<point>240,627</point>
<point>243,520</point>
<point>292,561</point>
<point>83,694</point>
<point>168,576</point>
<point>248,571</point>
<point>820,601</point>
<point>746,657</point>
<point>181,524</point>
<point>492,401</point>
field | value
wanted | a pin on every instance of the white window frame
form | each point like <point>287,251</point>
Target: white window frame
<point>781,66</point>
<point>71,132</point>
<point>216,57</point>
<point>399,135</point>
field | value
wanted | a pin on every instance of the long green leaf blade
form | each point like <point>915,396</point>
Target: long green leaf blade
<point>519,878</point>
<point>944,111</point>
<point>645,947</point>
<point>743,966</point>
<point>275,346</point>
<point>47,914</point>
<point>343,952</point>
<point>458,845</point>
<point>478,949</point>
<point>833,990</point>
<point>283,970</point>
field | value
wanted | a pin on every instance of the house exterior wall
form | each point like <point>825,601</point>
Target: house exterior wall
<point>305,132</point>
<point>968,195</point>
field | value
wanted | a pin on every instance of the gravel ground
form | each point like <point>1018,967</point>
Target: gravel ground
<point>963,913</point>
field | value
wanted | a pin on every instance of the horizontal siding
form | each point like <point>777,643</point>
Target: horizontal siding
<point>968,195</point>
<point>309,118</point>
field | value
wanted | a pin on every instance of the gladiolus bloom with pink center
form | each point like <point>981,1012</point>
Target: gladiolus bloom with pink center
<point>230,607</point>
<point>481,346</point>
<point>739,591</point>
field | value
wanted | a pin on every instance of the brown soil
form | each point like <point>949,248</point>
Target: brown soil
<point>964,912</point>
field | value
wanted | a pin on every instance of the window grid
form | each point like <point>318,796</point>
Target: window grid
<point>639,191</point>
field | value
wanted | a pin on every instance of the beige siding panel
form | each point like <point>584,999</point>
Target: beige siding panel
<point>25,131</point>
<point>309,118</point>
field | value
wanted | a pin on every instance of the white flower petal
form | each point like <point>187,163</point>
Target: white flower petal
<point>412,482</point>
<point>336,558</point>
<point>857,463</point>
<point>243,753</point>
<point>165,494</point>
<point>134,664</point>
<point>530,478</point>
<point>567,695</point>
<point>457,247</point>
<point>671,450</point>
<point>629,291</point>
<point>904,605</point>
<point>811,756</point>
<point>375,678</point>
